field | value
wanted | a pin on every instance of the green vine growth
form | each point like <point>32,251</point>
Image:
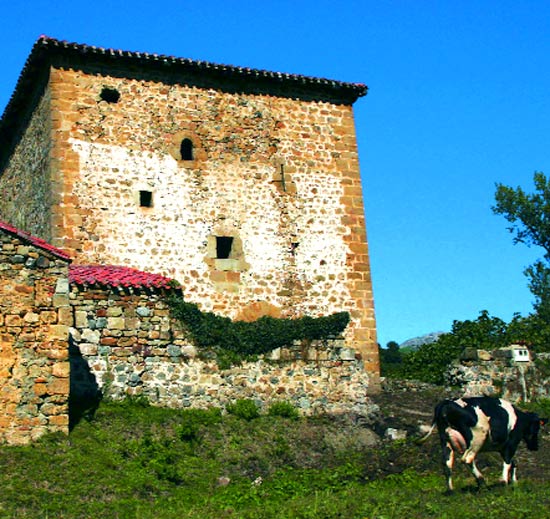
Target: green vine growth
<point>231,342</point>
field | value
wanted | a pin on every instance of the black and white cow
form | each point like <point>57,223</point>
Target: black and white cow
<point>469,425</point>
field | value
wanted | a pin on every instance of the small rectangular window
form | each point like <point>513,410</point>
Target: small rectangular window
<point>146,199</point>
<point>223,246</point>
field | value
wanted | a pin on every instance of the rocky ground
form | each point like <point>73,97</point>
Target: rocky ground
<point>404,409</point>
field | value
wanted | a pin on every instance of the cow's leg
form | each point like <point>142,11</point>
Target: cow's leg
<point>509,472</point>
<point>508,467</point>
<point>477,473</point>
<point>513,472</point>
<point>479,435</point>
<point>448,461</point>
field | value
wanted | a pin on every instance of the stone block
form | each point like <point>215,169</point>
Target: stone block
<point>59,300</point>
<point>58,353</point>
<point>61,369</point>
<point>59,386</point>
<point>40,389</point>
<point>88,349</point>
<point>59,331</point>
<point>468,354</point>
<point>484,355</point>
<point>347,354</point>
<point>126,342</point>
<point>61,421</point>
<point>31,318</point>
<point>116,323</point>
<point>81,319</point>
<point>101,322</point>
<point>62,286</point>
<point>114,311</point>
<point>91,336</point>
<point>49,317</point>
<point>143,311</point>
<point>13,320</point>
<point>189,351</point>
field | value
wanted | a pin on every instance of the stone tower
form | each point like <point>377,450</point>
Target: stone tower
<point>242,184</point>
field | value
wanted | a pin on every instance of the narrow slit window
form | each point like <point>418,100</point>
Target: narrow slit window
<point>186,149</point>
<point>146,199</point>
<point>111,95</point>
<point>223,246</point>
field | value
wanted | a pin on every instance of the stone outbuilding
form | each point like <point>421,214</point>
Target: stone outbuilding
<point>35,317</point>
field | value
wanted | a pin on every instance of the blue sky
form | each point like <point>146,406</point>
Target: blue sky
<point>458,100</point>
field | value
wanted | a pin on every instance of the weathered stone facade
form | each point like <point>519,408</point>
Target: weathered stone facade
<point>243,185</point>
<point>34,324</point>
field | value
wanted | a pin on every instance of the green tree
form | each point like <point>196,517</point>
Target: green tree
<point>529,216</point>
<point>392,354</point>
<point>390,359</point>
<point>430,362</point>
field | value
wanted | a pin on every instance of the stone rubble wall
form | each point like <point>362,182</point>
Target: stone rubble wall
<point>126,344</point>
<point>513,381</point>
<point>34,326</point>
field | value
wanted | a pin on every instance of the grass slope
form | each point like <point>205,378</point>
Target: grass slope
<point>134,461</point>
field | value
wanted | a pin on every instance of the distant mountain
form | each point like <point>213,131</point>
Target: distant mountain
<point>414,344</point>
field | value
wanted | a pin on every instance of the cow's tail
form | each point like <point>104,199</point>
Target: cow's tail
<point>439,416</point>
<point>422,439</point>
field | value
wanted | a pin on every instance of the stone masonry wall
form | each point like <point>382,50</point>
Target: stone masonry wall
<point>25,186</point>
<point>280,176</point>
<point>34,319</point>
<point>127,344</point>
<point>511,380</point>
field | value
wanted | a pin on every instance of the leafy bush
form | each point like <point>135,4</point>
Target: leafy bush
<point>232,341</point>
<point>430,362</point>
<point>541,406</point>
<point>194,420</point>
<point>532,330</point>
<point>244,408</point>
<point>283,409</point>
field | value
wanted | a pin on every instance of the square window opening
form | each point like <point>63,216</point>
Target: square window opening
<point>111,95</point>
<point>146,199</point>
<point>224,245</point>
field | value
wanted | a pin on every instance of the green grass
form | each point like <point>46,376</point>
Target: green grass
<point>134,461</point>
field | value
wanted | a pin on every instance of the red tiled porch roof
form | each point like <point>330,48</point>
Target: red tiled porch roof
<point>34,240</point>
<point>117,276</point>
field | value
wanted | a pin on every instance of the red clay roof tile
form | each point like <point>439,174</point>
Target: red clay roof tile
<point>34,240</point>
<point>116,276</point>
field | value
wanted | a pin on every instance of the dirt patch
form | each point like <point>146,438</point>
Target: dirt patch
<point>407,408</point>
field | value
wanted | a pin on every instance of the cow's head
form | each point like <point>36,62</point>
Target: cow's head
<point>531,434</point>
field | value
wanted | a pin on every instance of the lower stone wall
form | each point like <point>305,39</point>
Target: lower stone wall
<point>511,380</point>
<point>127,344</point>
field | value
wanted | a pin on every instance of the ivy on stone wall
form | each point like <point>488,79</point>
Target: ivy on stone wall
<point>231,342</point>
